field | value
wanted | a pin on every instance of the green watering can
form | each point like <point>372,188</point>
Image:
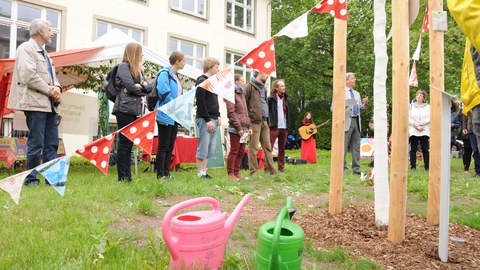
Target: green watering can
<point>280,242</point>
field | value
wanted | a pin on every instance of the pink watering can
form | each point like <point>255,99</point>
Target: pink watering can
<point>197,240</point>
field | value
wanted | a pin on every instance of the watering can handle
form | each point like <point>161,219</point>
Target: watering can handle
<point>275,260</point>
<point>167,237</point>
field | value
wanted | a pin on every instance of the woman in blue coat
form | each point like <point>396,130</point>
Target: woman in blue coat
<point>168,88</point>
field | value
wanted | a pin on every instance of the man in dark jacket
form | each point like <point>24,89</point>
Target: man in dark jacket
<point>256,97</point>
<point>207,119</point>
<point>279,119</point>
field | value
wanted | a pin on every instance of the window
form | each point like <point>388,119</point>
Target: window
<point>240,14</point>
<point>15,18</point>
<point>194,52</point>
<point>194,7</point>
<point>103,27</point>
<point>231,58</point>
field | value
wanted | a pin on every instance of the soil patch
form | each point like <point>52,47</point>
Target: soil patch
<point>354,229</point>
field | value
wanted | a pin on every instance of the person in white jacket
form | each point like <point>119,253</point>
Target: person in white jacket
<point>419,128</point>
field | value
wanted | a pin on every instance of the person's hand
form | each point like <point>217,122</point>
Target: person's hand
<point>465,131</point>
<point>56,95</point>
<point>250,132</point>
<point>210,126</point>
<point>241,132</point>
<point>219,121</point>
<point>365,101</point>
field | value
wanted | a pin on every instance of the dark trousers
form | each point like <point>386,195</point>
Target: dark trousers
<point>413,151</point>
<point>235,156</point>
<point>473,149</point>
<point>124,151</point>
<point>281,134</point>
<point>42,141</point>
<point>166,140</point>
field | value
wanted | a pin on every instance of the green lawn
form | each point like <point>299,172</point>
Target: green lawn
<point>104,224</point>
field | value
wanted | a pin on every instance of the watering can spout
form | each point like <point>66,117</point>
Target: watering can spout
<point>230,222</point>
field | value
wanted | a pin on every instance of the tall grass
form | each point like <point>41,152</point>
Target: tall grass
<point>101,223</point>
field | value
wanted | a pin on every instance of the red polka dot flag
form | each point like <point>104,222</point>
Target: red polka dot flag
<point>98,152</point>
<point>338,8</point>
<point>262,58</point>
<point>140,132</point>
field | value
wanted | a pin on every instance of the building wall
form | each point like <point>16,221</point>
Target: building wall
<point>160,22</point>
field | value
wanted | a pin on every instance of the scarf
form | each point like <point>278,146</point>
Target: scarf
<point>277,95</point>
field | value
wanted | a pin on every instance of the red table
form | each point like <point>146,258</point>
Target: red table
<point>184,151</point>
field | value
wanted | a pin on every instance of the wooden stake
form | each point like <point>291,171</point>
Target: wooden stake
<point>400,106</point>
<point>338,116</point>
<point>436,80</point>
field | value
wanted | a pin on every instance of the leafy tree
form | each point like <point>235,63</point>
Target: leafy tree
<point>306,63</point>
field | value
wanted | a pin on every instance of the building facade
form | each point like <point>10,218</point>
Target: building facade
<point>224,29</point>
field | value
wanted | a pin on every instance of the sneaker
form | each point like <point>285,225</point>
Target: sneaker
<point>357,172</point>
<point>206,176</point>
<point>282,170</point>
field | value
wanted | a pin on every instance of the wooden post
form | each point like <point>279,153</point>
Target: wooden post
<point>400,103</point>
<point>338,116</point>
<point>436,80</point>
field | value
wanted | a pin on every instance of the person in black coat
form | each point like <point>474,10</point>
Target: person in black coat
<point>128,103</point>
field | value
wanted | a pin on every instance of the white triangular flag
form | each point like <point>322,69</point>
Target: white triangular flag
<point>297,28</point>
<point>416,54</point>
<point>180,109</point>
<point>13,184</point>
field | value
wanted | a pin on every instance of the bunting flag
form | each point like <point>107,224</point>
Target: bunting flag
<point>337,8</point>
<point>140,131</point>
<point>55,171</point>
<point>98,152</point>
<point>221,84</point>
<point>413,80</point>
<point>13,184</point>
<point>180,109</point>
<point>416,54</point>
<point>297,28</point>
<point>426,18</point>
<point>262,58</point>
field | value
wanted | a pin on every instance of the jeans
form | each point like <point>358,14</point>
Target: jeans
<point>124,152</point>
<point>235,156</point>
<point>206,140</point>
<point>281,134</point>
<point>167,135</point>
<point>42,141</point>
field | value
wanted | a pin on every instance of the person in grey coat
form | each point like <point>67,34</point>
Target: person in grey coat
<point>353,122</point>
<point>36,91</point>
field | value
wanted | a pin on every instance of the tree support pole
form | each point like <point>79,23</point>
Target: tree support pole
<point>437,81</point>
<point>338,116</point>
<point>400,105</point>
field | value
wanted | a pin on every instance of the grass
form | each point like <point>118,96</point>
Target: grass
<point>101,223</point>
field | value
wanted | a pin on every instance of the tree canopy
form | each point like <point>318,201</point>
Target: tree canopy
<point>306,63</point>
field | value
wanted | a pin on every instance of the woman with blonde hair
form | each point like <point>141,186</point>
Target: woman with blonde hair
<point>419,128</point>
<point>128,103</point>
